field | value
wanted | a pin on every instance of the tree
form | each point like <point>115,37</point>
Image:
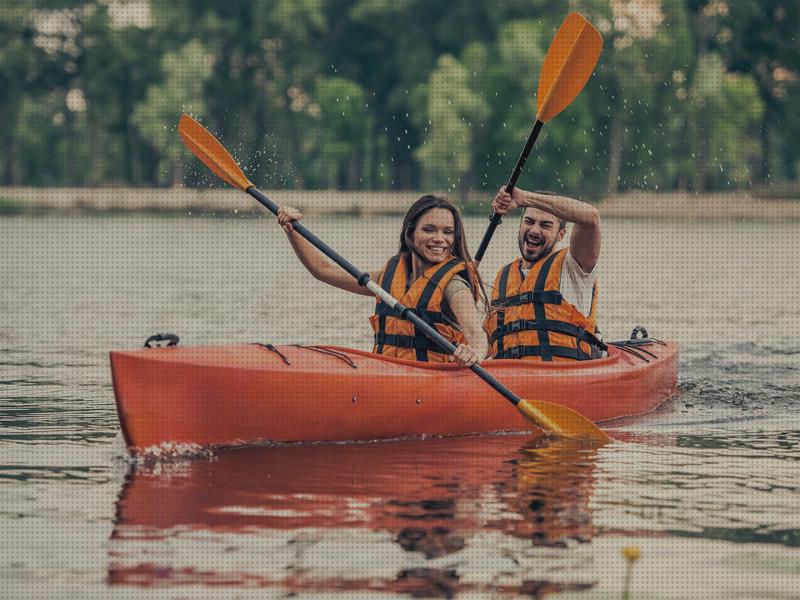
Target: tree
<point>725,113</point>
<point>116,66</point>
<point>339,106</point>
<point>156,117</point>
<point>453,111</point>
<point>31,69</point>
<point>759,38</point>
<point>647,52</point>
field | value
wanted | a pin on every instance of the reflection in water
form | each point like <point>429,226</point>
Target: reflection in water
<point>424,518</point>
<point>548,492</point>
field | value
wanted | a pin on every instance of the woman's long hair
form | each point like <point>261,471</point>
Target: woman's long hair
<point>419,208</point>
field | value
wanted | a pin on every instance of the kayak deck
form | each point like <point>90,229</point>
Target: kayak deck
<point>226,395</point>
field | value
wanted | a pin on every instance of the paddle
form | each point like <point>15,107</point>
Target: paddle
<point>569,62</point>
<point>553,418</point>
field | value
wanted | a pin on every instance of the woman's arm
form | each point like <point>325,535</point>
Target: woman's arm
<point>475,346</point>
<point>319,265</point>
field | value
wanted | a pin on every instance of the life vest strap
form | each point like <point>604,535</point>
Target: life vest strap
<point>386,283</point>
<point>557,351</point>
<point>550,325</point>
<point>550,297</point>
<point>429,316</point>
<point>406,341</point>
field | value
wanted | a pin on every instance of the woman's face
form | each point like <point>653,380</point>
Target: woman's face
<point>435,235</point>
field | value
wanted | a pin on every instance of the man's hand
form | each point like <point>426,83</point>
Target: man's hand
<point>504,202</point>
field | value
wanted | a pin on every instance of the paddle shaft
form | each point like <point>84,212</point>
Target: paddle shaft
<point>363,278</point>
<point>496,219</point>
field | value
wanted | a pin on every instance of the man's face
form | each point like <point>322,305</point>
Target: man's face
<point>539,232</point>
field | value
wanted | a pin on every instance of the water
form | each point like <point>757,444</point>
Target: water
<point>707,487</point>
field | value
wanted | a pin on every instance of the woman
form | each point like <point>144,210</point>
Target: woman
<point>432,274</point>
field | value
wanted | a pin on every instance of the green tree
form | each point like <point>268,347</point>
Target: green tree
<point>339,142</point>
<point>726,112</point>
<point>116,66</point>
<point>353,93</point>
<point>391,48</point>
<point>453,111</point>
<point>639,103</point>
<point>267,54</point>
<point>506,73</point>
<point>759,38</point>
<point>32,69</point>
<point>185,75</point>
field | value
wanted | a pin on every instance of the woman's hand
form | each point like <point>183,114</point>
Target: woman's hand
<point>466,355</point>
<point>287,214</point>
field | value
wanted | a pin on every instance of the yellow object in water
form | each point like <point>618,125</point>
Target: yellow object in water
<point>631,552</point>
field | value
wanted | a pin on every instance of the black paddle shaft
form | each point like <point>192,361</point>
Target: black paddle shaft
<point>496,219</point>
<point>362,277</point>
<point>445,344</point>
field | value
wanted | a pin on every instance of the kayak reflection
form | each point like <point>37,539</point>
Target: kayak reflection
<point>453,514</point>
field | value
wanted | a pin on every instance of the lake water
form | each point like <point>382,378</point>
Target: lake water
<point>707,487</point>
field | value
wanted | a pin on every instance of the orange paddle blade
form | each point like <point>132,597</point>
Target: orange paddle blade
<point>213,154</point>
<point>561,421</point>
<point>569,63</point>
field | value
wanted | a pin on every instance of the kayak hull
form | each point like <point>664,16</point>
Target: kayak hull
<point>229,395</point>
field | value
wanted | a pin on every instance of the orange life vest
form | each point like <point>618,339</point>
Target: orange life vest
<point>398,337</point>
<point>530,318</point>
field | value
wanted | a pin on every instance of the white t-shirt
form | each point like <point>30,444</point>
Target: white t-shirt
<point>576,285</point>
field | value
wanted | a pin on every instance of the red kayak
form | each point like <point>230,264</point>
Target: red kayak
<point>241,394</point>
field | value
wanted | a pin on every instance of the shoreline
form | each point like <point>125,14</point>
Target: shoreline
<point>217,201</point>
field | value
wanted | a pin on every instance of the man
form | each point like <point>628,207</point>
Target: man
<point>544,303</point>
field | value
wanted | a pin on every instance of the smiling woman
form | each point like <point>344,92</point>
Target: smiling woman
<point>432,273</point>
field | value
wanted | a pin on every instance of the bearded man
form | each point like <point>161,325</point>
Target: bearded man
<point>544,302</point>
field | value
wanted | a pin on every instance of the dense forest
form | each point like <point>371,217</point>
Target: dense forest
<point>398,94</point>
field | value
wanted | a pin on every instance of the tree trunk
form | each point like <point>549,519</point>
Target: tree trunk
<point>178,172</point>
<point>701,151</point>
<point>353,170</point>
<point>10,174</point>
<point>368,160</point>
<point>764,171</point>
<point>134,160</point>
<point>8,153</point>
<point>616,139</point>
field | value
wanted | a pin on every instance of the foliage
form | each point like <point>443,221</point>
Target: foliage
<point>377,94</point>
<point>339,107</point>
<point>725,106</point>
<point>185,74</point>
<point>454,112</point>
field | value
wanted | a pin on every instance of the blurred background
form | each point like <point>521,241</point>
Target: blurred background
<point>688,96</point>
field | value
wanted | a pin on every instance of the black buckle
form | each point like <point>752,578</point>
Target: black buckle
<point>525,297</point>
